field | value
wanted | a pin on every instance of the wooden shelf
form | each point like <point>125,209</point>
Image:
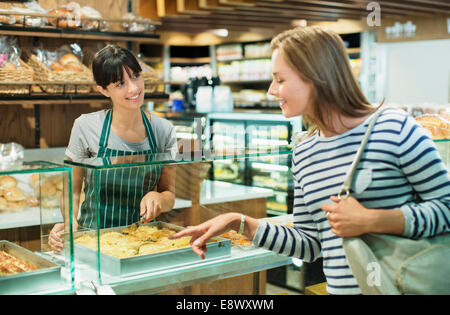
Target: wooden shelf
<point>355,50</point>
<point>68,33</point>
<point>203,60</point>
<point>43,98</point>
<point>244,59</point>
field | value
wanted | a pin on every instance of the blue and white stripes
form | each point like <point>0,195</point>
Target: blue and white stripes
<point>400,163</point>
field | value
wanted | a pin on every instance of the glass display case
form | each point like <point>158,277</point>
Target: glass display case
<point>254,131</point>
<point>113,248</point>
<point>34,198</point>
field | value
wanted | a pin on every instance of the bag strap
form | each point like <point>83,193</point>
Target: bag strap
<point>347,185</point>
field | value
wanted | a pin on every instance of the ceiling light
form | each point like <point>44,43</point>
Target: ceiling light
<point>299,23</point>
<point>221,32</point>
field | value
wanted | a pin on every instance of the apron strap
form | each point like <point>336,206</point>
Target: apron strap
<point>150,135</point>
<point>103,142</point>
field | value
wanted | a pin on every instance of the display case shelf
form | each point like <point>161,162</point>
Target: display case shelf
<point>49,31</point>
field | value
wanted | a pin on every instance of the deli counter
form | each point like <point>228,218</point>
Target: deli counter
<point>129,257</point>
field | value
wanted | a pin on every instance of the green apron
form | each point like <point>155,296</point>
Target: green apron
<point>120,190</point>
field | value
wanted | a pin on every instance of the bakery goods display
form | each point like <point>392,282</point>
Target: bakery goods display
<point>134,241</point>
<point>436,125</point>
<point>236,238</point>
<point>49,188</point>
<point>12,198</point>
<point>10,265</point>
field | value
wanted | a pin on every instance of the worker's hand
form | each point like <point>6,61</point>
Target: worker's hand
<point>203,232</point>
<point>347,217</point>
<point>151,206</point>
<point>55,239</point>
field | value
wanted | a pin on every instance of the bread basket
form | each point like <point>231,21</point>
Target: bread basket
<point>150,76</point>
<point>24,74</point>
<point>43,73</point>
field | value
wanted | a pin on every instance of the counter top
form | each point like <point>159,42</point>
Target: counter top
<point>240,262</point>
<point>216,192</point>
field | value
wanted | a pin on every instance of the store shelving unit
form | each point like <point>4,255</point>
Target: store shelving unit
<point>228,132</point>
<point>41,102</point>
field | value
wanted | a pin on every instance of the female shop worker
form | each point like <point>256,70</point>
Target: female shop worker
<point>121,133</point>
<point>312,77</point>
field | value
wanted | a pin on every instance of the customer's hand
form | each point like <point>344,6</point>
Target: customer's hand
<point>347,217</point>
<point>55,239</point>
<point>202,232</point>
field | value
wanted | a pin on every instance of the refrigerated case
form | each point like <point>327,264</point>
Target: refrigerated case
<point>238,130</point>
<point>188,125</point>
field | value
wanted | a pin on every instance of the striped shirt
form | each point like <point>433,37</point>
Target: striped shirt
<point>400,162</point>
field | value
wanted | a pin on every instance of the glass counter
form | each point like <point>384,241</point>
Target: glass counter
<point>34,198</point>
<point>110,249</point>
<point>443,147</point>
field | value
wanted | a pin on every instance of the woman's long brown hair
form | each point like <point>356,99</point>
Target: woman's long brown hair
<point>319,57</point>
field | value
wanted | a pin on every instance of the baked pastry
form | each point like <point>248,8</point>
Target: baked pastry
<point>3,204</point>
<point>62,20</point>
<point>73,67</point>
<point>68,58</point>
<point>436,125</point>
<point>237,239</point>
<point>16,206</point>
<point>56,66</point>
<point>134,241</point>
<point>13,194</point>
<point>11,265</point>
<point>7,181</point>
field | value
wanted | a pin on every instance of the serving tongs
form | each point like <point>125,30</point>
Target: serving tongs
<point>133,227</point>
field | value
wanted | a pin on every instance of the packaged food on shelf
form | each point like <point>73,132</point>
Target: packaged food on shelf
<point>86,13</point>
<point>69,15</point>
<point>29,7</point>
<point>137,24</point>
<point>12,68</point>
<point>5,17</point>
<point>257,50</point>
<point>229,52</point>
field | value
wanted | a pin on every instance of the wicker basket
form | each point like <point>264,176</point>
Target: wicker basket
<point>22,74</point>
<point>43,73</point>
<point>150,76</point>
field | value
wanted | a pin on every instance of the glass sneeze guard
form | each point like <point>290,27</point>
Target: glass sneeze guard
<point>34,198</point>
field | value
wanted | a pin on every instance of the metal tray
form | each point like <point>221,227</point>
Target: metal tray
<point>219,248</point>
<point>47,276</point>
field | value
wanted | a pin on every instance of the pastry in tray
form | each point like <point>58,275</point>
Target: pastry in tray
<point>237,239</point>
<point>10,265</point>
<point>134,241</point>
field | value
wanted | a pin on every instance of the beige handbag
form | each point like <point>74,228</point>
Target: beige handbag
<point>388,264</point>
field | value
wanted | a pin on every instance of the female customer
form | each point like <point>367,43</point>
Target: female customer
<point>124,132</point>
<point>312,77</point>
